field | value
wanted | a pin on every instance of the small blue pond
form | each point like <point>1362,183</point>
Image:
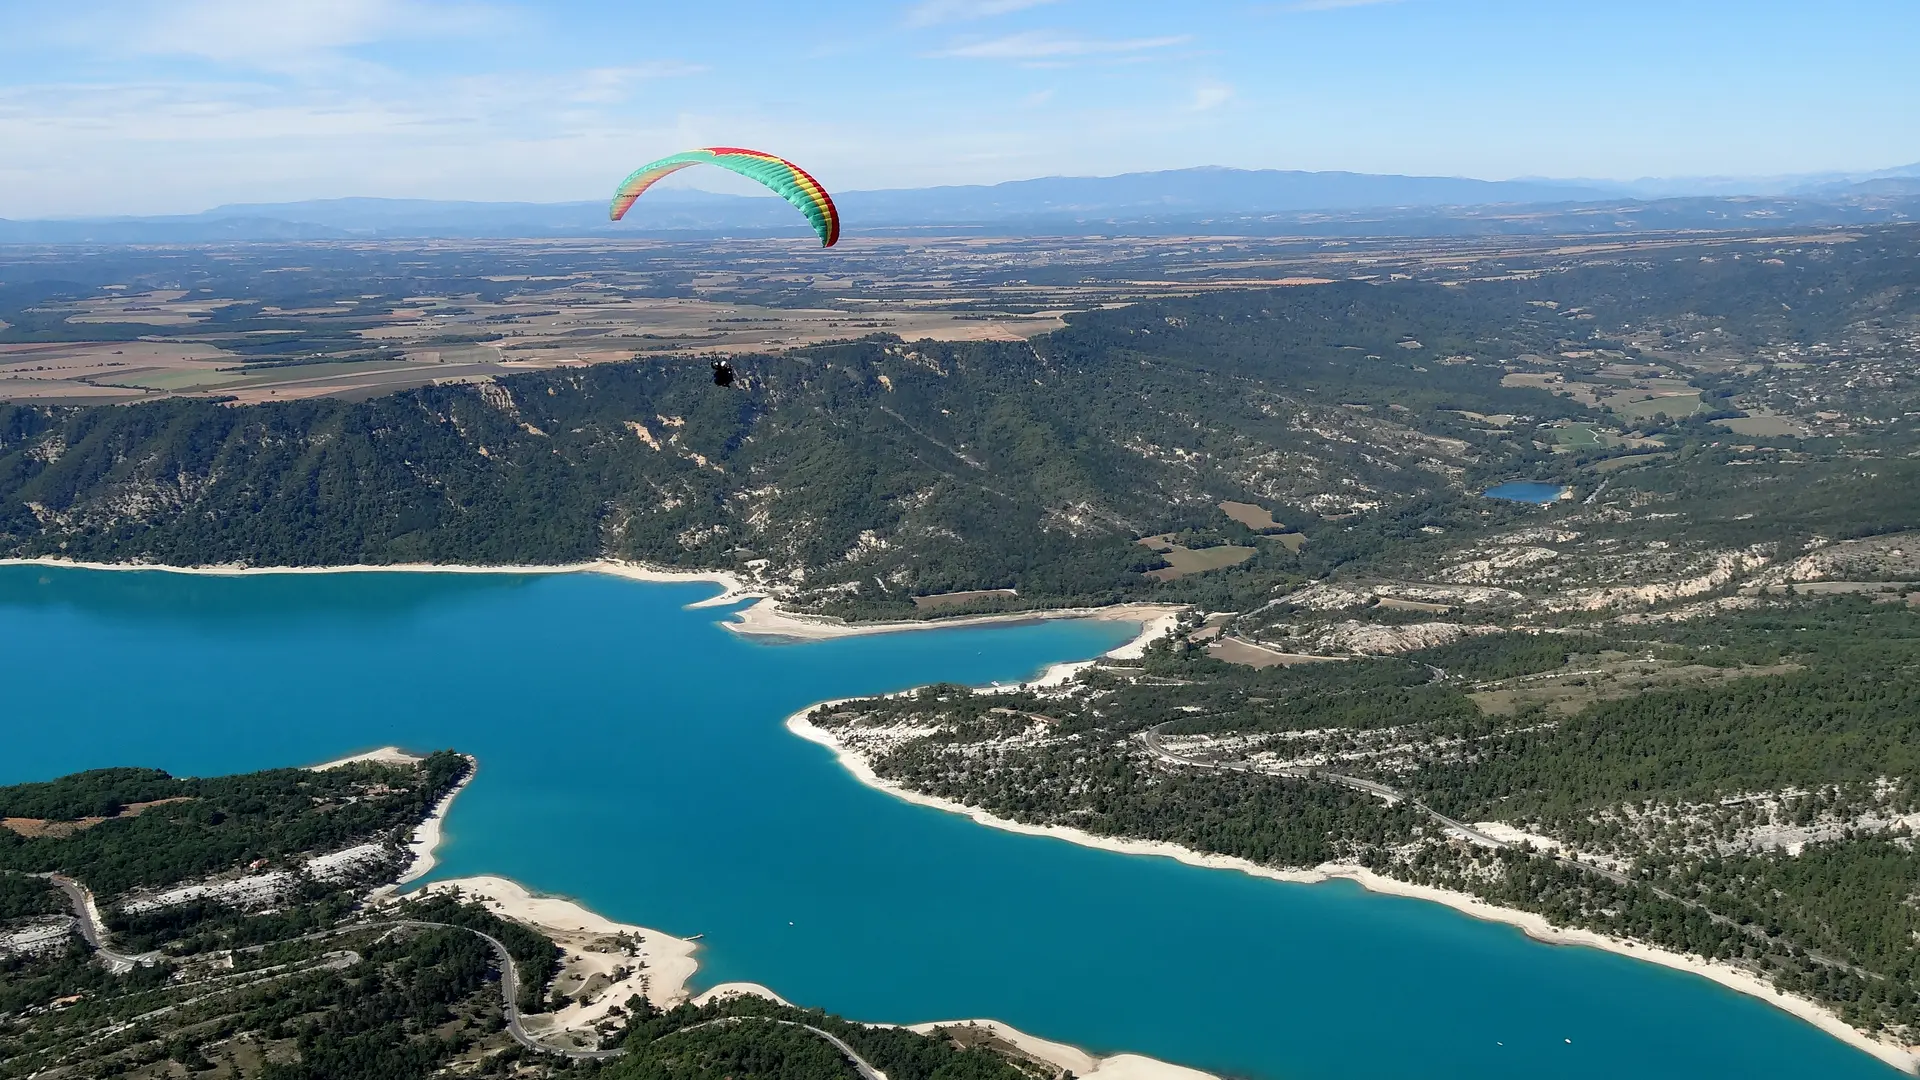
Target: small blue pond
<point>1526,491</point>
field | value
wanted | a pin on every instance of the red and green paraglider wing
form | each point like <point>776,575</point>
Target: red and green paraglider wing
<point>787,180</point>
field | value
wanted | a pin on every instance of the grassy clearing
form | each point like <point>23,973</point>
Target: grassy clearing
<point>1257,518</point>
<point>1765,425</point>
<point>1618,463</point>
<point>1587,679</point>
<point>1642,408</point>
<point>1183,561</point>
<point>1580,437</point>
<point>1234,651</point>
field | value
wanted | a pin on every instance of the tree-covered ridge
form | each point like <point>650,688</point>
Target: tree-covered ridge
<point>321,982</point>
<point>1766,819</point>
<point>872,470</point>
<point>750,1036</point>
<point>190,828</point>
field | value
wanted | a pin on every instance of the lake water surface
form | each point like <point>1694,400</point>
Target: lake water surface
<point>1526,491</point>
<point>632,756</point>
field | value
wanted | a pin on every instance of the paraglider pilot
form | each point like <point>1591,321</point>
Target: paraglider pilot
<point>722,373</point>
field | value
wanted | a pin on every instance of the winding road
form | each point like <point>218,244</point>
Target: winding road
<point>510,995</point>
<point>860,1064</point>
<point>1392,795</point>
<point>86,915</point>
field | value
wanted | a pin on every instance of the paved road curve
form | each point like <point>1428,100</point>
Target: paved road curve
<point>86,914</point>
<point>860,1064</point>
<point>1158,749</point>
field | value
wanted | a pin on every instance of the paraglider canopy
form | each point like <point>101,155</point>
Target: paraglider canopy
<point>787,180</point>
<point>722,373</point>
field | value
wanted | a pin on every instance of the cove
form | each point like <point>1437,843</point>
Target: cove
<point>1526,491</point>
<point>632,756</point>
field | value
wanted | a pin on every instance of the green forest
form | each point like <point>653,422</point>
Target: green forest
<point>191,828</point>
<point>319,985</point>
<point>1699,672</point>
<point>971,466</point>
<point>1660,781</point>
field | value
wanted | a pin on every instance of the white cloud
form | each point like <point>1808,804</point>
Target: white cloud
<point>275,34</point>
<point>1211,94</point>
<point>610,85</point>
<point>934,12</point>
<point>193,144</point>
<point>1049,45</point>
<point>1332,5</point>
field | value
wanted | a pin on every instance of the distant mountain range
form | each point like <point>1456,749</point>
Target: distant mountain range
<point>1228,201</point>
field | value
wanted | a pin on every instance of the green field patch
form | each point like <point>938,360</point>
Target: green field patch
<point>1642,408</point>
<point>1182,561</point>
<point>1235,651</point>
<point>1606,676</point>
<point>1581,437</point>
<point>1257,518</point>
<point>175,379</point>
<point>1765,425</point>
<point>1617,463</point>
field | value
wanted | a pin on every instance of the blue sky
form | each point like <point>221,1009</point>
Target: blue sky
<point>142,106</point>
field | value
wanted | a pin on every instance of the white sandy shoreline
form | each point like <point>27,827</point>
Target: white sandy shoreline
<point>674,963</point>
<point>664,964</point>
<point>1533,925</point>
<point>426,835</point>
<point>767,618</point>
<point>735,589</point>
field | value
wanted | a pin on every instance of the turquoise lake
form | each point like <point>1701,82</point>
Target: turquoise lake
<point>632,756</point>
<point>1525,491</point>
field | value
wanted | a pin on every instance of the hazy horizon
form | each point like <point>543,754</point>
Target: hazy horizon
<point>138,107</point>
<point>1636,187</point>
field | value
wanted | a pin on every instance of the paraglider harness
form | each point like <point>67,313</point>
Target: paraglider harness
<point>722,373</point>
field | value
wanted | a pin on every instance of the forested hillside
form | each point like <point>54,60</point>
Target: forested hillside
<point>861,473</point>
<point>277,959</point>
<point>1676,702</point>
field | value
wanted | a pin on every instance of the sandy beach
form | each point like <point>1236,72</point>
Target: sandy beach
<point>386,755</point>
<point>426,835</point>
<point>1071,1058</point>
<point>669,961</point>
<point>1535,926</point>
<point>603,963</point>
<point>733,589</point>
<point>972,1032</point>
<point>767,618</point>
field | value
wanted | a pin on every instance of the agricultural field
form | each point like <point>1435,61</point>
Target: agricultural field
<point>1671,397</point>
<point>1247,654</point>
<point>1257,518</point>
<point>255,323</point>
<point>1184,561</point>
<point>1764,424</point>
<point>1605,676</point>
